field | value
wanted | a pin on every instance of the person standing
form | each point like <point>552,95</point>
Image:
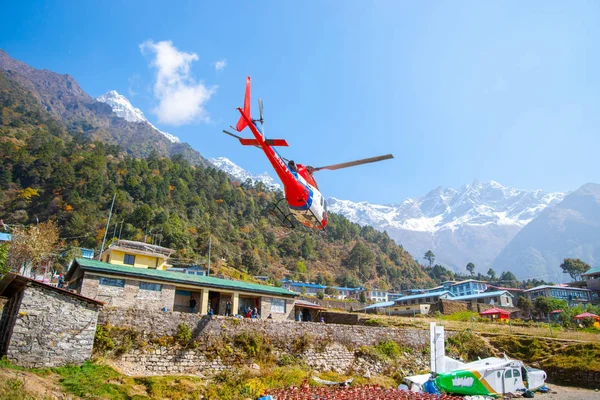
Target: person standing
<point>228,309</point>
<point>192,304</point>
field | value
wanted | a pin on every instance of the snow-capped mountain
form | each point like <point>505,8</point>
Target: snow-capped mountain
<point>242,175</point>
<point>470,224</point>
<point>124,109</point>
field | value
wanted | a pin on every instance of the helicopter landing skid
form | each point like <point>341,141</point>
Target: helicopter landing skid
<point>285,217</point>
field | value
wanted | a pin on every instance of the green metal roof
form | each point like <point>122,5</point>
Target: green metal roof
<point>179,277</point>
<point>593,270</point>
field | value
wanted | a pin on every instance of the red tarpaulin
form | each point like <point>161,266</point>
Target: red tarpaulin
<point>495,310</point>
<point>587,315</point>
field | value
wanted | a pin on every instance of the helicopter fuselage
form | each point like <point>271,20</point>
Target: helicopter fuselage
<point>304,199</point>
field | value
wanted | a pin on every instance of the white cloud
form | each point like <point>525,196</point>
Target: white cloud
<point>181,99</point>
<point>219,65</point>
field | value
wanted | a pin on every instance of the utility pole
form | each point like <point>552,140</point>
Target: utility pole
<point>107,222</point>
<point>209,246</point>
<point>121,229</point>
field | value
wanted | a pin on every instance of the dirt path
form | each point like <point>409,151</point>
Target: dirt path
<point>36,386</point>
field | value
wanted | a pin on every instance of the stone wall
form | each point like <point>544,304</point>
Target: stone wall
<point>341,318</point>
<point>130,295</point>
<point>327,346</point>
<point>51,329</point>
<point>447,307</point>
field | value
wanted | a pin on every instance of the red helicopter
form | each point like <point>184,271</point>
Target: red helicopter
<point>305,202</point>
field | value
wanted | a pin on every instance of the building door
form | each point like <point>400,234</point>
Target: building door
<point>215,299</point>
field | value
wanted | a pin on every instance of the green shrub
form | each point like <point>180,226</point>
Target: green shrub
<point>468,346</point>
<point>375,322</point>
<point>286,359</point>
<point>302,343</point>
<point>254,345</point>
<point>388,348</point>
<point>102,340</point>
<point>183,335</point>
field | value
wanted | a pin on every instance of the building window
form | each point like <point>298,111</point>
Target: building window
<point>151,286</point>
<point>278,306</point>
<point>112,282</point>
<point>129,259</point>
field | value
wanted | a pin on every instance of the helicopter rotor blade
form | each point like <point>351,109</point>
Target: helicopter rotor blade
<point>260,108</point>
<point>351,163</point>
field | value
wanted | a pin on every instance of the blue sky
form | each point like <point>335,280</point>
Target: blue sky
<point>504,91</point>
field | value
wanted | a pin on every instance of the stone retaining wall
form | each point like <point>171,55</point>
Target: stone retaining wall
<point>327,346</point>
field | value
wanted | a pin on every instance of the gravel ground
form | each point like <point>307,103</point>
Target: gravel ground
<point>568,393</point>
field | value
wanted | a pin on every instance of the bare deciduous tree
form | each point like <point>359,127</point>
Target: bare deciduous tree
<point>31,246</point>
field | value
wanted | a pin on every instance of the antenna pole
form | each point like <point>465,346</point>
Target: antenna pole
<point>107,222</point>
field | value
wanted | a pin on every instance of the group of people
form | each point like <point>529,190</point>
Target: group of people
<point>248,312</point>
<point>252,312</point>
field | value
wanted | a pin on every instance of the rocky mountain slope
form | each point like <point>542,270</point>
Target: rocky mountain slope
<point>570,229</point>
<point>121,106</point>
<point>240,174</point>
<point>469,224</point>
<point>62,96</point>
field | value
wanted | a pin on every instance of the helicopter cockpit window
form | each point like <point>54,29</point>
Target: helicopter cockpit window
<point>325,204</point>
<point>292,166</point>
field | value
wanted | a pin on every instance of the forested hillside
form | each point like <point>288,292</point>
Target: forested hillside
<point>49,172</point>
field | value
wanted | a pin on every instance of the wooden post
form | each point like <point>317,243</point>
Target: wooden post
<point>235,304</point>
<point>203,302</point>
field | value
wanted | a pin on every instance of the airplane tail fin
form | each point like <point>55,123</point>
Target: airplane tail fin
<point>242,122</point>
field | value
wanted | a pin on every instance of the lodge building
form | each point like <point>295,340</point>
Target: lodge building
<point>136,275</point>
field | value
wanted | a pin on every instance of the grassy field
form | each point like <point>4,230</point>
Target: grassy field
<point>461,321</point>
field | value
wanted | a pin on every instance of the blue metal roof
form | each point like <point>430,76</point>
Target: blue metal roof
<point>422,295</point>
<point>302,284</point>
<point>378,305</point>
<point>314,285</point>
<point>556,287</point>
<point>482,295</point>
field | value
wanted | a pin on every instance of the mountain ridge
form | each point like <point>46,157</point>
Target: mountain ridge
<point>469,224</point>
<point>61,95</point>
<point>569,229</point>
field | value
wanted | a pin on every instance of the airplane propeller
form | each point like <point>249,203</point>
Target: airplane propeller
<point>333,167</point>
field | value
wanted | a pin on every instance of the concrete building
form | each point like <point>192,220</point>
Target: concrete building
<point>393,308</point>
<point>43,326</point>
<point>192,270</point>
<point>311,289</point>
<point>460,288</point>
<point>592,278</point>
<point>154,289</point>
<point>499,298</point>
<point>137,254</point>
<point>372,295</point>
<point>562,292</point>
<point>423,298</point>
